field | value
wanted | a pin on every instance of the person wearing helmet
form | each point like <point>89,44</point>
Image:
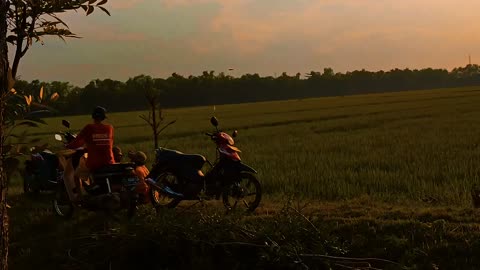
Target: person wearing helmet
<point>139,159</point>
<point>98,138</point>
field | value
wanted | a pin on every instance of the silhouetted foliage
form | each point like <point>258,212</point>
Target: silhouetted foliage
<point>29,20</point>
<point>25,21</point>
<point>209,88</point>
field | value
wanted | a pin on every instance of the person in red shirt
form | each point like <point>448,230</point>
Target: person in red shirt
<point>98,138</point>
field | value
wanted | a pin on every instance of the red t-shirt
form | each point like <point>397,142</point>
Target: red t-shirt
<point>99,140</point>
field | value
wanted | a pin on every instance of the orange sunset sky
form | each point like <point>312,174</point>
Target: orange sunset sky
<point>159,37</point>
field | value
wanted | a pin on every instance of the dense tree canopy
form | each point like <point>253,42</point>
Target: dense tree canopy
<point>210,88</point>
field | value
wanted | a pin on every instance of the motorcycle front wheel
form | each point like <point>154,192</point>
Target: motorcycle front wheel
<point>28,183</point>
<point>62,206</point>
<point>159,199</point>
<point>245,190</point>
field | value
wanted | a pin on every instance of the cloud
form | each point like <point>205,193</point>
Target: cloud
<point>113,34</point>
<point>267,36</point>
<point>250,28</point>
<point>123,4</point>
<point>234,23</point>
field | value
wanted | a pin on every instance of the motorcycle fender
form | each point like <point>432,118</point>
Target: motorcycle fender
<point>242,167</point>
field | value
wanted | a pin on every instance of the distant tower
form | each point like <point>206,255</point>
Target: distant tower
<point>469,59</point>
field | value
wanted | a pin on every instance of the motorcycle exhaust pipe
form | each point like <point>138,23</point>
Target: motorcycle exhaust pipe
<point>164,190</point>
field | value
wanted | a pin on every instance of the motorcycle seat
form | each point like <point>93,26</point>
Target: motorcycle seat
<point>194,160</point>
<point>179,159</point>
<point>117,168</point>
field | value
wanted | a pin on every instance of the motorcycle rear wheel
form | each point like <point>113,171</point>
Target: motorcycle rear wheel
<point>245,187</point>
<point>160,200</point>
<point>62,206</point>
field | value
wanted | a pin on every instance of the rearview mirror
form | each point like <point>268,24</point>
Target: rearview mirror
<point>234,134</point>
<point>65,123</point>
<point>58,137</point>
<point>214,121</point>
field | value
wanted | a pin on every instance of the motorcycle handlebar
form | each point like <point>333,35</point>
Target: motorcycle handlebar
<point>68,136</point>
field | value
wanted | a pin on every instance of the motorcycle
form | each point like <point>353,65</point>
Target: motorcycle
<point>176,176</point>
<point>41,172</point>
<point>110,188</point>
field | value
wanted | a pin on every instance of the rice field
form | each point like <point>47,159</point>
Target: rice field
<point>396,147</point>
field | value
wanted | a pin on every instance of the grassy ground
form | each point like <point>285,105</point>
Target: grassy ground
<point>385,175</point>
<point>409,145</point>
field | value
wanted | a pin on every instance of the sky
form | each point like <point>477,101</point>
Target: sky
<point>160,37</point>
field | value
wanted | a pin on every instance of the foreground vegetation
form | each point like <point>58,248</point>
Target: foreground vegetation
<point>358,233</point>
<point>385,175</point>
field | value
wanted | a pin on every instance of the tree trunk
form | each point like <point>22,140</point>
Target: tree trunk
<point>3,89</point>
<point>16,59</point>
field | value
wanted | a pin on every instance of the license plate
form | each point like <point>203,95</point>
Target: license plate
<point>132,180</point>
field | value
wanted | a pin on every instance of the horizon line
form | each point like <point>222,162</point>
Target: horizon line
<point>275,74</point>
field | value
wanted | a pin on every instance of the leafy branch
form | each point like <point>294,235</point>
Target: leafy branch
<point>29,20</point>
<point>22,111</point>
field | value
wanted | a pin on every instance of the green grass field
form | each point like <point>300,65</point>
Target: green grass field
<point>414,145</point>
<point>384,175</point>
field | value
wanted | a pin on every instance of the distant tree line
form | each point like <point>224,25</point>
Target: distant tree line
<point>210,88</point>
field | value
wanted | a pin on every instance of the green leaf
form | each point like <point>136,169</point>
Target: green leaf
<point>28,124</point>
<point>40,95</point>
<point>58,19</point>
<point>35,140</point>
<point>37,114</point>
<point>62,38</point>
<point>36,120</point>
<point>90,10</point>
<point>43,108</point>
<point>104,10</point>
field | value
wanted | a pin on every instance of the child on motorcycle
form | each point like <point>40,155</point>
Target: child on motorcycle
<point>117,154</point>
<point>139,159</point>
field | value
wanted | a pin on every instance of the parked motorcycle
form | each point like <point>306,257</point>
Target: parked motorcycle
<point>109,189</point>
<point>176,176</point>
<point>41,172</point>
